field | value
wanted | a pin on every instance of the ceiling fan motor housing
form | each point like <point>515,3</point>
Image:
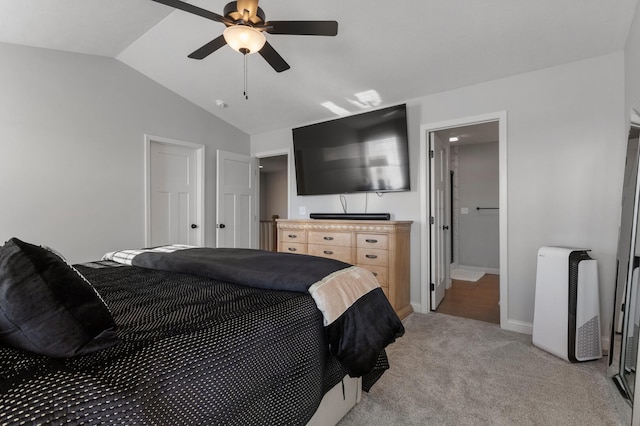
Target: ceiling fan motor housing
<point>232,12</point>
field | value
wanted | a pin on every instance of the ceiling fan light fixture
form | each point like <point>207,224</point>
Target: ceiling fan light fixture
<point>244,39</point>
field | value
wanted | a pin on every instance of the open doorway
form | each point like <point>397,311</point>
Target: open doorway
<point>274,203</point>
<point>474,237</point>
<point>474,218</point>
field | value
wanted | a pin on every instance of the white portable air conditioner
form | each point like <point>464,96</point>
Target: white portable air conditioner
<point>566,318</point>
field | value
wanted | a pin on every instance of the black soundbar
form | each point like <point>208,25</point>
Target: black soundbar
<point>351,216</point>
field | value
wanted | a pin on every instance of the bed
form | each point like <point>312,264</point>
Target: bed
<point>187,345</point>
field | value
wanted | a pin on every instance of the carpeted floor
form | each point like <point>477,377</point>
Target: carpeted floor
<point>455,371</point>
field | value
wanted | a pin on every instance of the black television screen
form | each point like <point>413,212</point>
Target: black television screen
<point>368,152</point>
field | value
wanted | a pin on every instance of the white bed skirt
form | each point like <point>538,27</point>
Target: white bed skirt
<point>335,405</point>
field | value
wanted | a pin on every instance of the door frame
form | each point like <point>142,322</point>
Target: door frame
<point>200,182</point>
<point>425,129</point>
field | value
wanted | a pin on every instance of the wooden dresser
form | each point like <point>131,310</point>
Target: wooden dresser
<point>381,246</point>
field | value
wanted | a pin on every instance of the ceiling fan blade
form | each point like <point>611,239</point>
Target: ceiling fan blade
<point>208,48</point>
<point>273,58</point>
<point>193,9</point>
<point>321,28</point>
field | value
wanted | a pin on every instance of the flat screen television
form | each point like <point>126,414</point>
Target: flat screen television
<point>367,152</point>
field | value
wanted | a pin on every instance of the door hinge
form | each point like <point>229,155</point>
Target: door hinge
<point>432,287</point>
<point>432,220</point>
<point>431,154</point>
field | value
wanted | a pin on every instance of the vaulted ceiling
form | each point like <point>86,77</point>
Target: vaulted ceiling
<point>385,52</point>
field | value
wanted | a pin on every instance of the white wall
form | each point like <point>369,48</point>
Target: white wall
<point>566,147</point>
<point>632,65</point>
<point>478,183</point>
<point>72,149</point>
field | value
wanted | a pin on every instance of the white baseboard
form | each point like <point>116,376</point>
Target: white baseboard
<point>493,271</point>
<point>417,307</point>
<point>517,326</point>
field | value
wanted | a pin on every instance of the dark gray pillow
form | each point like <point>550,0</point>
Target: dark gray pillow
<point>48,307</point>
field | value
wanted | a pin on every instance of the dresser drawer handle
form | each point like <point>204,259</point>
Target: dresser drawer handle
<point>372,241</point>
<point>371,256</point>
<point>327,252</point>
<point>375,274</point>
<point>293,236</point>
<point>328,238</point>
<point>292,249</point>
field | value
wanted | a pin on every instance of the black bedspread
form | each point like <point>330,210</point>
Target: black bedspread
<point>194,351</point>
<point>255,268</point>
<point>360,321</point>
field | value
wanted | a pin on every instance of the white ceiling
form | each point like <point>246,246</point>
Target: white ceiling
<point>401,50</point>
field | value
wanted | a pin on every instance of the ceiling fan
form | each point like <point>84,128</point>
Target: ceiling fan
<point>245,23</point>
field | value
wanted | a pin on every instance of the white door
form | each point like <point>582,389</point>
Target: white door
<point>173,195</point>
<point>237,197</point>
<point>438,184</point>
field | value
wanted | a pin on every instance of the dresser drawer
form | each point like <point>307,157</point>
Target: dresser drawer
<point>333,252</point>
<point>375,257</point>
<point>294,236</point>
<point>380,272</point>
<point>376,241</point>
<point>382,247</point>
<point>298,248</point>
<point>330,238</point>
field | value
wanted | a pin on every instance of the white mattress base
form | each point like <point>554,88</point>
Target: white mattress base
<point>335,405</point>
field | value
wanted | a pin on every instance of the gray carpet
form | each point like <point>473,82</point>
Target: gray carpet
<point>454,371</point>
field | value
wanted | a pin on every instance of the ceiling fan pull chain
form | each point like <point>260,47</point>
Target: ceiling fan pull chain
<point>246,80</point>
